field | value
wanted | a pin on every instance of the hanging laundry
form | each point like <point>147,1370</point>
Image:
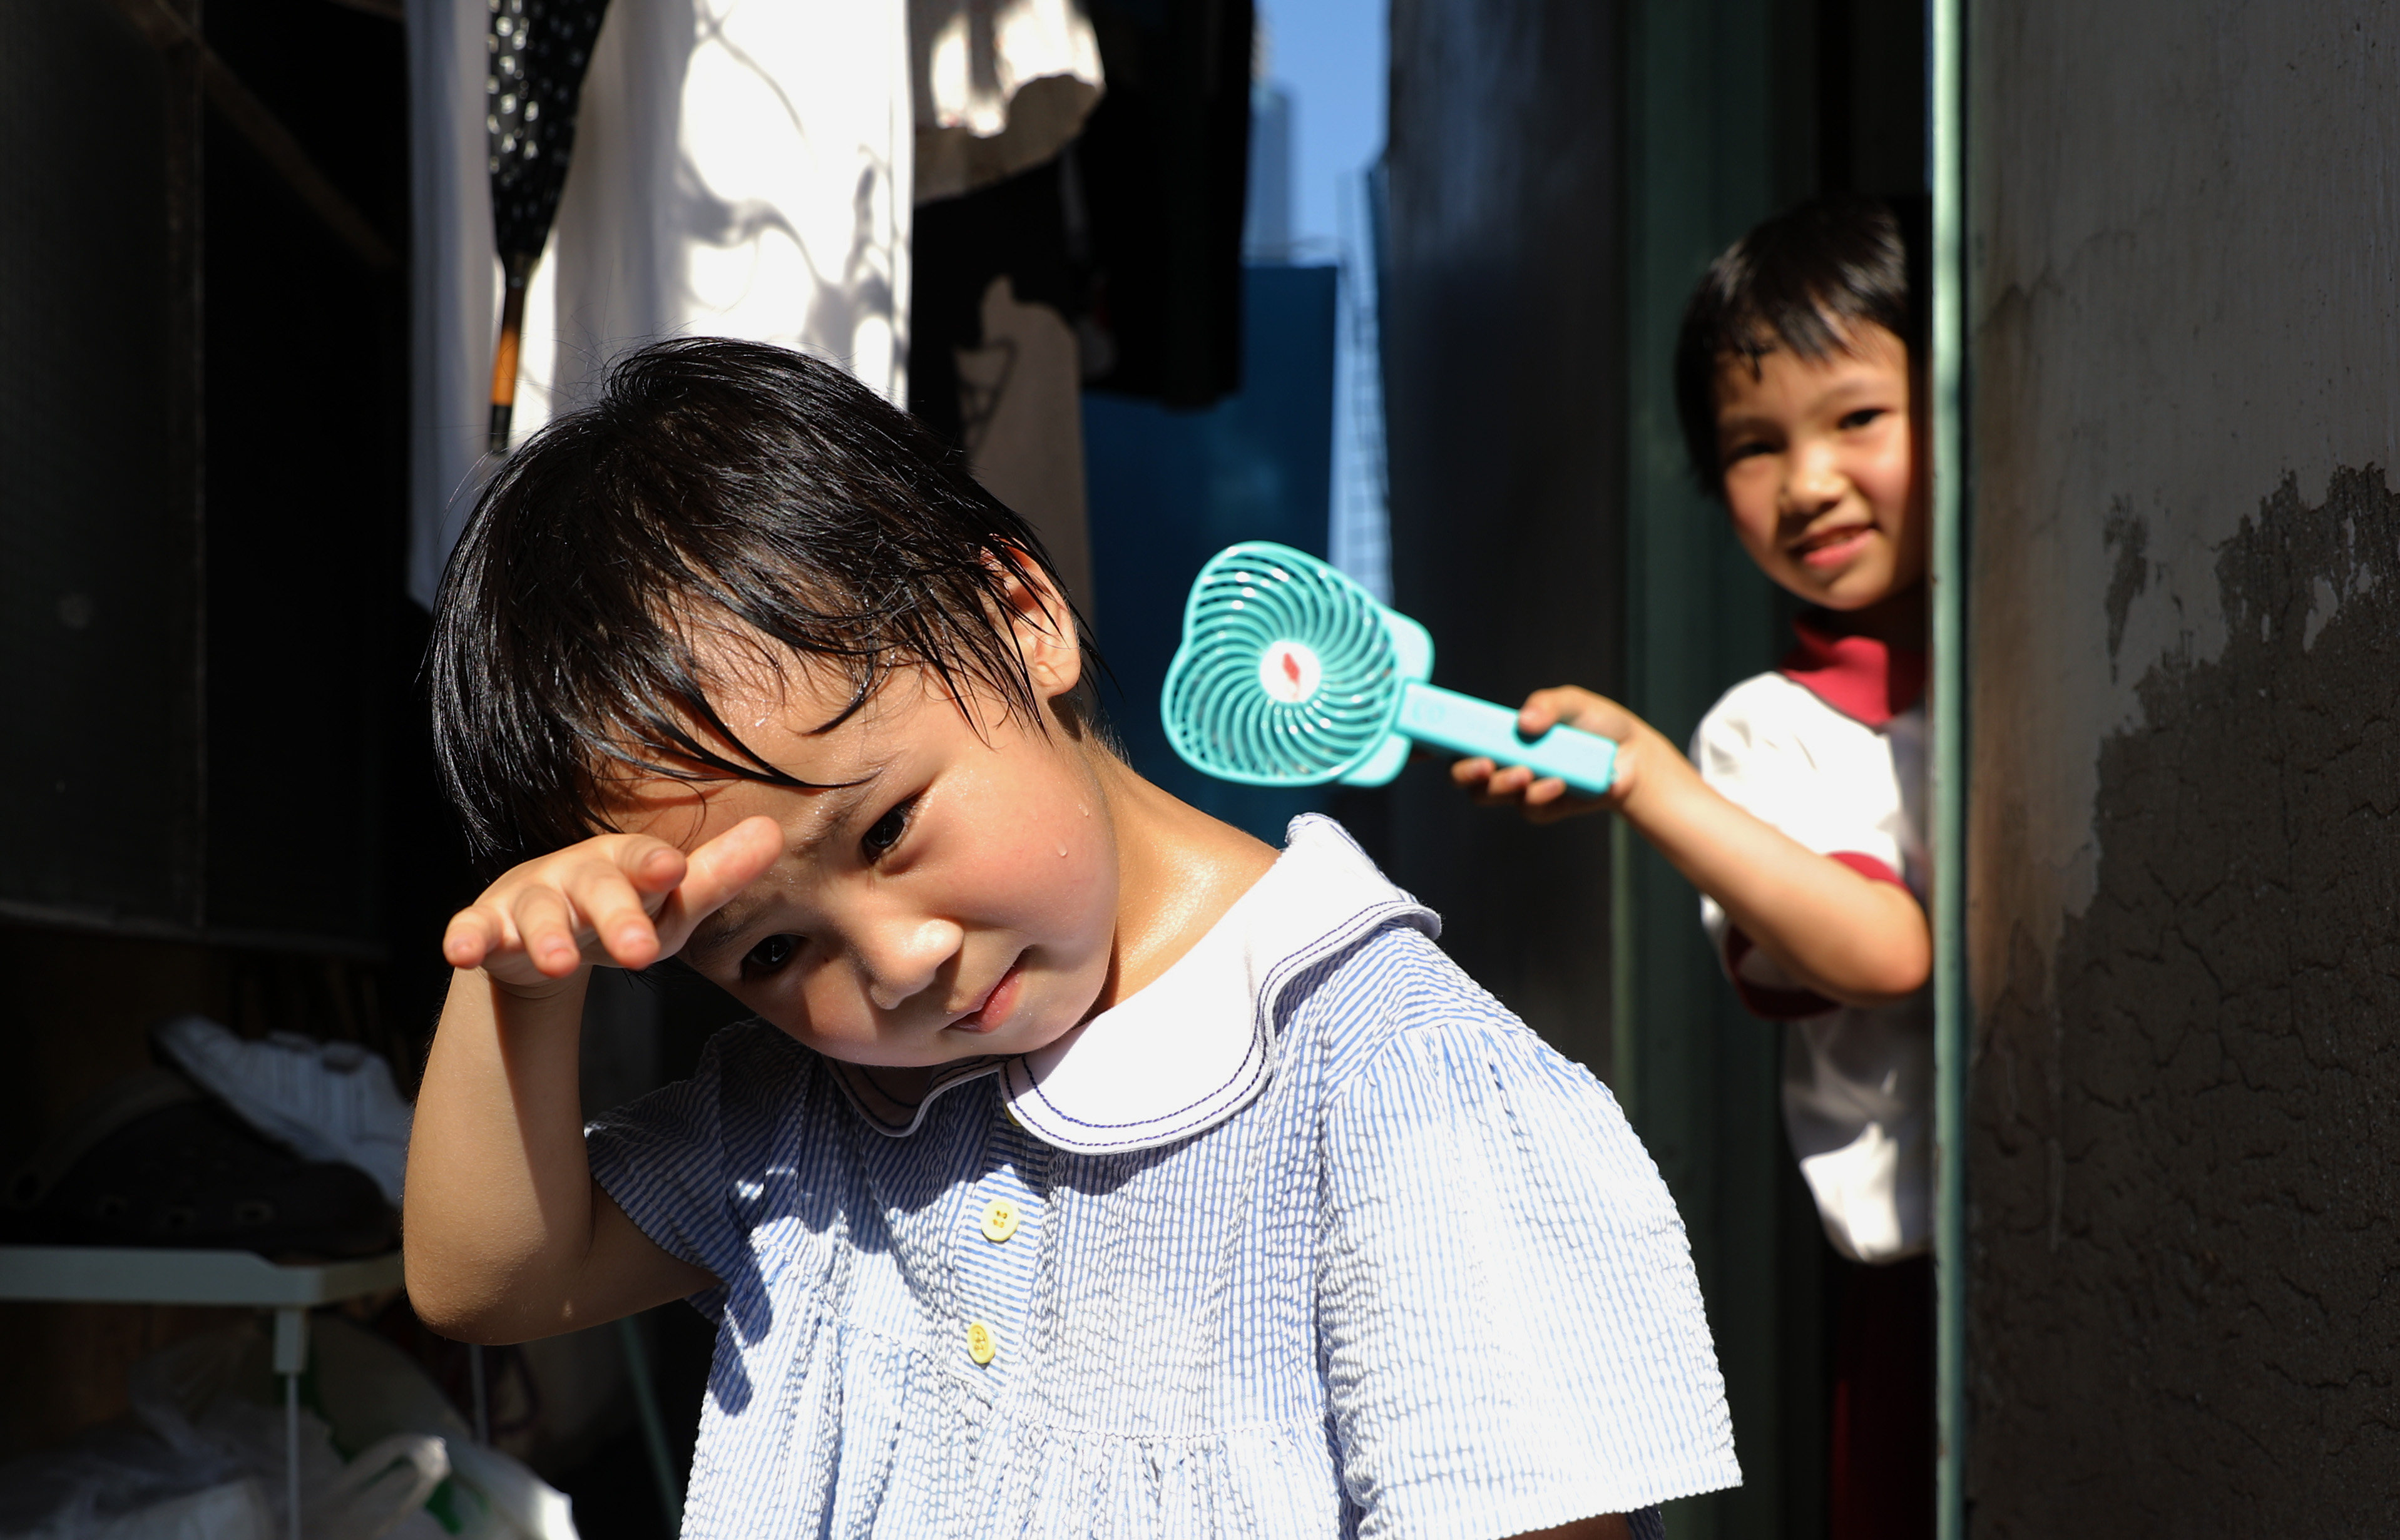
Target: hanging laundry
<point>742,168</point>
<point>1160,175</point>
<point>998,363</point>
<point>532,86</point>
<point>1000,87</point>
<point>1116,262</point>
<point>1022,420</point>
<point>327,1101</point>
<point>1132,232</point>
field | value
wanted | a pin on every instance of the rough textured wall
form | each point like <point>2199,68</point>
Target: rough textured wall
<point>2183,912</point>
<point>1503,356</point>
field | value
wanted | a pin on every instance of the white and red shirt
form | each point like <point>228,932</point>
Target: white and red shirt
<point>1831,749</point>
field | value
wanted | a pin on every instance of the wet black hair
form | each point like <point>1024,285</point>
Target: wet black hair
<point>714,492</point>
<point>1800,280</point>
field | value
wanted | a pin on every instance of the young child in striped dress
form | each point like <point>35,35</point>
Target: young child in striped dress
<point>1091,1168</point>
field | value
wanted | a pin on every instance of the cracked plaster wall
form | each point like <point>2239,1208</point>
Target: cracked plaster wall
<point>2184,906</point>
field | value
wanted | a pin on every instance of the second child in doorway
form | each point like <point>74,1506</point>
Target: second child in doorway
<point>1799,814</point>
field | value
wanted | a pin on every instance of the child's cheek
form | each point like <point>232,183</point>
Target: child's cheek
<point>1085,862</point>
<point>1061,865</point>
<point>1889,478</point>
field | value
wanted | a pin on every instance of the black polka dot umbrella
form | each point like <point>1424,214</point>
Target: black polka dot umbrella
<point>540,49</point>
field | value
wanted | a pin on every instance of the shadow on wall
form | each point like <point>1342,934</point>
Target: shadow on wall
<point>1169,488</point>
<point>2186,1166</point>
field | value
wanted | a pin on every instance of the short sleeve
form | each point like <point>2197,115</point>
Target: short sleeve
<point>1512,1331</point>
<point>674,1160</point>
<point>1772,749</point>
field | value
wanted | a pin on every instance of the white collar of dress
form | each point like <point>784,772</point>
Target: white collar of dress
<point>1198,1043</point>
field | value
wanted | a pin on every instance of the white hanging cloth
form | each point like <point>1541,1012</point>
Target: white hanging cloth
<point>1000,87</point>
<point>742,168</point>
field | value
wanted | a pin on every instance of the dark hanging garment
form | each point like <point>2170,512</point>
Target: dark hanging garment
<point>1017,229</point>
<point>1133,233</point>
<point>1163,170</point>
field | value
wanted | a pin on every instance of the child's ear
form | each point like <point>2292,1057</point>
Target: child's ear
<point>1043,625</point>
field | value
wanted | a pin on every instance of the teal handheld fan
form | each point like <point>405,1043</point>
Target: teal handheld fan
<point>1290,674</point>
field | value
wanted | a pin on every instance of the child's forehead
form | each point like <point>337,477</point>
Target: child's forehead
<point>811,720</point>
<point>1854,341</point>
<point>800,695</point>
<point>1866,353</point>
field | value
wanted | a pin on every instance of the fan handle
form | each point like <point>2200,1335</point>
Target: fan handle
<point>1462,724</point>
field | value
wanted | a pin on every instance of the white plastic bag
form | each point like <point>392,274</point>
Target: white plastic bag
<point>238,1511</point>
<point>381,1491</point>
<point>371,1390</point>
<point>202,1398</point>
<point>74,1490</point>
<point>205,1457</point>
<point>388,1481</point>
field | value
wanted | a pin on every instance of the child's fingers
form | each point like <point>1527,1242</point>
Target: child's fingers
<point>717,871</point>
<point>473,934</point>
<point>1577,707</point>
<point>617,911</point>
<point>1547,708</point>
<point>1551,799</point>
<point>733,861</point>
<point>1502,785</point>
<point>545,928</point>
<point>1507,783</point>
<point>653,867</point>
<point>1483,780</point>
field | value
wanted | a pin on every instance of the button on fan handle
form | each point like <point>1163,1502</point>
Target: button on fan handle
<point>1462,724</point>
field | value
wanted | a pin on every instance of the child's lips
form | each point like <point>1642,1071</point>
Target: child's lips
<point>1833,548</point>
<point>993,1010</point>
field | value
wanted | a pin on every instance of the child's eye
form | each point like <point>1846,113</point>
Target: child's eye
<point>1861,417</point>
<point>769,955</point>
<point>886,831</point>
<point>1745,450</point>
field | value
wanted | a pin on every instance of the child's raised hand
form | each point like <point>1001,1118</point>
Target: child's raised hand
<point>1545,800</point>
<point>626,899</point>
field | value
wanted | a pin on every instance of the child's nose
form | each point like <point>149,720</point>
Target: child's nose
<point>904,957</point>
<point>1813,480</point>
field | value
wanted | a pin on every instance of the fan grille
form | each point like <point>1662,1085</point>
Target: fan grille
<point>1286,676</point>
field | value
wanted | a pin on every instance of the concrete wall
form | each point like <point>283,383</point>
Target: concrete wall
<point>2184,870</point>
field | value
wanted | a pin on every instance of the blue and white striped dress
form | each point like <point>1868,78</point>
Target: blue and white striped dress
<point>1311,1238</point>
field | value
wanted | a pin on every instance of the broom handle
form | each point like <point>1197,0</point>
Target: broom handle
<point>1462,724</point>
<point>504,357</point>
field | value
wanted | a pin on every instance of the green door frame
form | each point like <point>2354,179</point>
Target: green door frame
<point>1946,157</point>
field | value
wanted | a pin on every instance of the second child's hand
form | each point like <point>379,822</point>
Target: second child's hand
<point>1545,800</point>
<point>621,899</point>
<point>1846,937</point>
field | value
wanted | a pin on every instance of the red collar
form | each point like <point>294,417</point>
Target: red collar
<point>1858,677</point>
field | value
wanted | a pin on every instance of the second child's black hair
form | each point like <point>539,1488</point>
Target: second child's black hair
<point>1798,281</point>
<point>716,493</point>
